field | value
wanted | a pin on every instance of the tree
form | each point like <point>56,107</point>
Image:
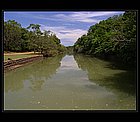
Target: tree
<point>36,42</point>
<point>114,36</point>
<point>12,36</point>
<point>31,38</point>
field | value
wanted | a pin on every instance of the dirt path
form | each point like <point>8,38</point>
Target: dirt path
<point>12,53</point>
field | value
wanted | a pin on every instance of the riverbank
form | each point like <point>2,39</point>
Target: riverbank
<point>18,55</point>
<point>12,64</point>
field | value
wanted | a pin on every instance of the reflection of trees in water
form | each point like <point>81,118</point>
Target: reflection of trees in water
<point>100,73</point>
<point>37,73</point>
<point>36,83</point>
<point>44,70</point>
<point>13,83</point>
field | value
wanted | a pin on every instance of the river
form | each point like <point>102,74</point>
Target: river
<point>69,82</point>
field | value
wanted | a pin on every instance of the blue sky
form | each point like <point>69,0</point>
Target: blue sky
<point>67,25</point>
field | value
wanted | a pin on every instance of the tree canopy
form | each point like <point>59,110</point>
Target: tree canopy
<point>17,38</point>
<point>115,36</point>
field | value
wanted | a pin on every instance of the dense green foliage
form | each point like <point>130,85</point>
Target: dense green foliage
<point>17,38</point>
<point>115,36</point>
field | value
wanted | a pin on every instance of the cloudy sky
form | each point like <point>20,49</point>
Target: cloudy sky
<point>67,25</point>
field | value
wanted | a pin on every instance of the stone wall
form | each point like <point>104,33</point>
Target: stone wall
<point>11,63</point>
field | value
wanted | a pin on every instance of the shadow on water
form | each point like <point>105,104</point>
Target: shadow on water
<point>116,63</point>
<point>125,82</point>
<point>35,74</point>
<point>105,74</point>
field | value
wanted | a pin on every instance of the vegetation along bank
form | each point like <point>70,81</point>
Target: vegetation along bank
<point>19,39</point>
<point>112,38</point>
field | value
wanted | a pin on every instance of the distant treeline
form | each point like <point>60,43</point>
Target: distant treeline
<point>115,36</point>
<point>69,50</point>
<point>19,39</point>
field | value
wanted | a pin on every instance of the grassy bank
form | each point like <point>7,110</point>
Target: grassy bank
<point>19,55</point>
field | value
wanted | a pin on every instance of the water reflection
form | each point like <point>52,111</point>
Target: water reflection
<point>13,84</point>
<point>114,79</point>
<point>36,83</point>
<point>36,73</point>
<point>56,83</point>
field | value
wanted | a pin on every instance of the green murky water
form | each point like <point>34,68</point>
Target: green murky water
<point>66,82</point>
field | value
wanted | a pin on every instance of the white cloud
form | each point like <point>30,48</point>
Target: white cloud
<point>66,35</point>
<point>84,16</point>
<point>87,17</point>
